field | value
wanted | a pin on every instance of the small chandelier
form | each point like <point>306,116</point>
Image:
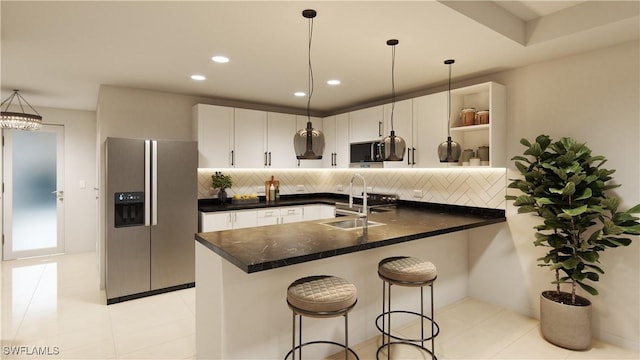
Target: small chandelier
<point>449,151</point>
<point>19,120</point>
<point>394,146</point>
<point>309,142</point>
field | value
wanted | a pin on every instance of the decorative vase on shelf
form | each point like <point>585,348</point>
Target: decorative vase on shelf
<point>222,196</point>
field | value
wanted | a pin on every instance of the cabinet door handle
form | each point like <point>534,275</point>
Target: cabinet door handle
<point>265,158</point>
<point>269,158</point>
<point>335,159</point>
<point>233,158</point>
<point>413,156</point>
<point>379,128</point>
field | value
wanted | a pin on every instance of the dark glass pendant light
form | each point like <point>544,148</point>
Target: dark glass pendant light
<point>309,142</point>
<point>394,146</point>
<point>449,151</point>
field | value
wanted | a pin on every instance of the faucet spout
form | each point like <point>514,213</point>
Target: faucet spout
<point>365,210</point>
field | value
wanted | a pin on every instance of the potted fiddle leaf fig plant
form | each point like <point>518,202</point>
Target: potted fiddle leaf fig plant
<point>222,182</point>
<point>567,187</point>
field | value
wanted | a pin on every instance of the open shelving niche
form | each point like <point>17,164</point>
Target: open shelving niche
<point>486,96</point>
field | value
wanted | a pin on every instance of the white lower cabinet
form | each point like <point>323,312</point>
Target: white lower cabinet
<point>227,220</point>
<point>281,215</point>
<point>317,212</point>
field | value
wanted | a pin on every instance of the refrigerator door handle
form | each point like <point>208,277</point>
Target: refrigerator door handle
<point>154,182</point>
<point>147,182</point>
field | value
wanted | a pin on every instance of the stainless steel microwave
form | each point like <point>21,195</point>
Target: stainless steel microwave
<point>366,154</point>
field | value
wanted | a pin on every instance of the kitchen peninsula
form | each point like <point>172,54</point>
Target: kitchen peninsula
<point>242,274</point>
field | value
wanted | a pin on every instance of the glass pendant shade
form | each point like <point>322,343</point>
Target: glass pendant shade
<point>394,147</point>
<point>19,120</point>
<point>308,143</point>
<point>449,151</point>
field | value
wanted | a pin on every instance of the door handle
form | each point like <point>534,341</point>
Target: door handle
<point>265,158</point>
<point>59,194</point>
<point>233,158</point>
<point>269,158</point>
<point>413,156</point>
<point>379,128</point>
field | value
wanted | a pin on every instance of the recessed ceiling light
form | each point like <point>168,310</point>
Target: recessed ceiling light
<point>198,77</point>
<point>220,59</point>
<point>333,82</point>
<point>299,93</point>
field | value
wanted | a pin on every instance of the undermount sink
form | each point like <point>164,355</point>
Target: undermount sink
<point>350,224</point>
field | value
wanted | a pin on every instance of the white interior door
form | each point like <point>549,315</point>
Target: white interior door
<point>33,202</point>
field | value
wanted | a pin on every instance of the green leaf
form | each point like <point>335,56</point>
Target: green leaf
<point>590,256</point>
<point>576,211</point>
<point>524,200</point>
<point>571,263</point>
<point>534,150</point>
<point>543,140</point>
<point>632,230</point>
<point>525,142</point>
<point>634,210</point>
<point>585,195</point>
<point>588,288</point>
<point>526,209</point>
<point>544,201</point>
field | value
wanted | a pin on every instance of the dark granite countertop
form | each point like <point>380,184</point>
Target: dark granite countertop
<point>267,247</point>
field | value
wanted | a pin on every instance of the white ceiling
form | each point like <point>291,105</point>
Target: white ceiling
<point>59,53</point>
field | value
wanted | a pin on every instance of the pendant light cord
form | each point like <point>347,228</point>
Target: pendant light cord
<point>393,82</point>
<point>310,79</point>
<point>449,104</point>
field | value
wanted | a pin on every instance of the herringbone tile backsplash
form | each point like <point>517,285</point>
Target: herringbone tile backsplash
<point>481,187</point>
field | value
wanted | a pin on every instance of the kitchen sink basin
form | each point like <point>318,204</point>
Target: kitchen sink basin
<point>350,224</point>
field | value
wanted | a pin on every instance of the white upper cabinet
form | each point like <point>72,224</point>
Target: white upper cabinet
<point>403,126</point>
<point>366,124</point>
<point>280,130</point>
<point>250,128</point>
<point>336,133</point>
<point>430,128</point>
<point>301,123</point>
<point>243,138</point>
<point>214,132</point>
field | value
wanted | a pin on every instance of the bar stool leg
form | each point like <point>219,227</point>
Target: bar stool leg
<point>422,314</point>
<point>433,321</point>
<point>346,336</point>
<point>300,336</point>
<point>389,321</point>
<point>293,336</point>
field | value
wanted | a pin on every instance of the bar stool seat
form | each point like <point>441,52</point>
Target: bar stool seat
<point>320,296</point>
<point>408,271</point>
<point>411,272</point>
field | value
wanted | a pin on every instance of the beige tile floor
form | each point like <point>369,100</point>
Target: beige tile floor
<point>54,304</point>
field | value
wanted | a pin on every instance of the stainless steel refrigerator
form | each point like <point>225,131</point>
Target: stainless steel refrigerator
<point>151,217</point>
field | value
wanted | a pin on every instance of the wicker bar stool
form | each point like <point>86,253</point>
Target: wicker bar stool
<point>320,296</point>
<point>411,272</point>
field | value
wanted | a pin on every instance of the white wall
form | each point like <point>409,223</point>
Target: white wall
<point>594,98</point>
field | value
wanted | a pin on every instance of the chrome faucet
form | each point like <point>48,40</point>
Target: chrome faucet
<point>365,211</point>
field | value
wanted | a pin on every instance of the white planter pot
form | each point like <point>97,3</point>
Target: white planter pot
<point>568,326</point>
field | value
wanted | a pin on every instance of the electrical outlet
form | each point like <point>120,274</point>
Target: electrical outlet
<point>339,188</point>
<point>259,190</point>
<point>369,188</point>
<point>417,194</point>
<point>300,188</point>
